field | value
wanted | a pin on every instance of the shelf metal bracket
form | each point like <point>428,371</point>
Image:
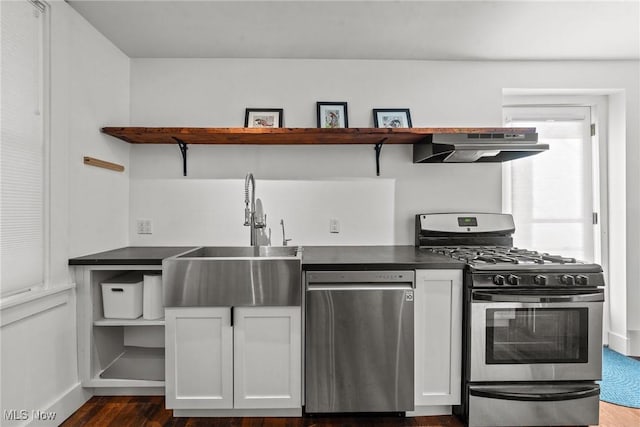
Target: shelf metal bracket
<point>183,150</point>
<point>378,149</point>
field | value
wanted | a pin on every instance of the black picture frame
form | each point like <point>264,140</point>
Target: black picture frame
<point>332,115</point>
<point>392,118</point>
<point>267,118</point>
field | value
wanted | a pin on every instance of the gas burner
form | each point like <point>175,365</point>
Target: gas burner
<point>499,255</point>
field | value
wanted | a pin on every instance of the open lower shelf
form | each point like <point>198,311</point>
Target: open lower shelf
<point>121,383</point>
<point>135,367</point>
<point>128,322</point>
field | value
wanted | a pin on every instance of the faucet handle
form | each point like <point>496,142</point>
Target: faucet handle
<point>284,239</point>
<point>261,222</point>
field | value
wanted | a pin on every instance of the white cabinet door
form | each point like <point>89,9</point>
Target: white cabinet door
<point>268,357</point>
<point>438,337</point>
<point>198,358</point>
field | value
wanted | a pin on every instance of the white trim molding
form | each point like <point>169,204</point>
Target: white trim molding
<point>217,413</point>
<point>66,405</point>
<point>32,303</point>
<point>634,343</point>
<point>429,411</point>
<point>619,343</point>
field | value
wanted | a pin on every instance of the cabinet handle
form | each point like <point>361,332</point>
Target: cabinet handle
<point>232,317</point>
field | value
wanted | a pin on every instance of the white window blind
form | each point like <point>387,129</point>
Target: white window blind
<point>551,193</point>
<point>22,151</point>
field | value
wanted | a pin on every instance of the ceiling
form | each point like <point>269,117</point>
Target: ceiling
<point>414,30</point>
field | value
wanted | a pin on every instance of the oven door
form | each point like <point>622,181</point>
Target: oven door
<point>531,335</point>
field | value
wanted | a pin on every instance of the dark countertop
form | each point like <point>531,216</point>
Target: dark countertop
<point>373,258</point>
<point>131,255</point>
<point>313,257</point>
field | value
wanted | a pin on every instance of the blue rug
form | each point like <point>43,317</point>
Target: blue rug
<point>620,379</point>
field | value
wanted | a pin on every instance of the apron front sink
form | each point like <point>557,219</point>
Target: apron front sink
<point>213,276</point>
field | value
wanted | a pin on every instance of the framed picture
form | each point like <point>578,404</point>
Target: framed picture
<point>263,117</point>
<point>391,118</point>
<point>332,115</point>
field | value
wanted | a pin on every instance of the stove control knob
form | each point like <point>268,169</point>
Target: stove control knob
<point>582,280</point>
<point>540,280</point>
<point>567,280</point>
<point>498,280</point>
<point>514,280</point>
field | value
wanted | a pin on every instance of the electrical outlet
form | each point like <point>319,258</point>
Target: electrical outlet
<point>334,226</point>
<point>144,226</point>
<point>148,226</point>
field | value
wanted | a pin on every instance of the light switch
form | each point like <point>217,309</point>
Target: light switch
<point>334,226</point>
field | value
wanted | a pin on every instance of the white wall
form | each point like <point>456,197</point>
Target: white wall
<point>98,94</point>
<point>89,212</point>
<point>215,92</point>
<point>89,87</point>
<point>216,208</point>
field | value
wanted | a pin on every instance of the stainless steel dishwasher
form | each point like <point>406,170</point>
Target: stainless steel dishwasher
<point>359,341</point>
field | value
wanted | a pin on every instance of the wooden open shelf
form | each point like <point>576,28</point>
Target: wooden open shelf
<point>182,136</point>
<point>288,136</point>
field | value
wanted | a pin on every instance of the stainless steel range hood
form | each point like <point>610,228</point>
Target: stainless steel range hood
<point>477,147</point>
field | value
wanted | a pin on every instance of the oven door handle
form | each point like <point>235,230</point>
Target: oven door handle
<point>539,397</point>
<point>515,297</point>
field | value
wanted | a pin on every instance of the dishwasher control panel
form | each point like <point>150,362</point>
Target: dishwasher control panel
<point>363,276</point>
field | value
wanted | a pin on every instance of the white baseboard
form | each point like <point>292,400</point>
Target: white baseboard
<point>427,411</point>
<point>212,413</point>
<point>619,343</point>
<point>634,343</point>
<point>64,407</point>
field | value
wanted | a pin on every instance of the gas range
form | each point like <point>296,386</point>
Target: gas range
<point>532,324</point>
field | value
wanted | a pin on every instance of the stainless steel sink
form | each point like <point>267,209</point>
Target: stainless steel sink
<point>241,252</point>
<point>213,276</point>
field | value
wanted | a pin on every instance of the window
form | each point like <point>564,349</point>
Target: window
<point>23,151</point>
<point>552,194</point>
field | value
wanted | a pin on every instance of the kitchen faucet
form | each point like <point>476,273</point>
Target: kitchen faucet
<point>250,219</point>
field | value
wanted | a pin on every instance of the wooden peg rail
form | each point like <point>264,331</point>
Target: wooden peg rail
<point>91,161</point>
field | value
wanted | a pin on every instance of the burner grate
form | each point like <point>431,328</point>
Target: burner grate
<point>500,255</point>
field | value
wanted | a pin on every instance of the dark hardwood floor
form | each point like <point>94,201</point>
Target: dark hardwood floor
<point>149,411</point>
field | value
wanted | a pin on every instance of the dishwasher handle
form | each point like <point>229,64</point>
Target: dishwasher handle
<point>360,287</point>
